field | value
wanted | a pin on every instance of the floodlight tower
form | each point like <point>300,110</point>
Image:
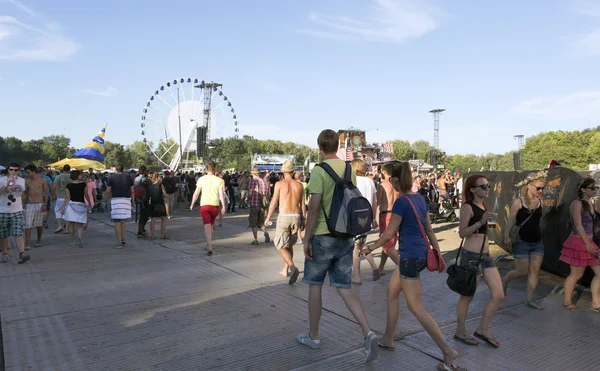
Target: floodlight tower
<point>207,89</point>
<point>520,141</point>
<point>436,126</point>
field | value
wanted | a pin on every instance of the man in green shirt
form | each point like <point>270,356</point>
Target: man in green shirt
<point>325,253</point>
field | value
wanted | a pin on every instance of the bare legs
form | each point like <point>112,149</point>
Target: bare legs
<point>491,276</point>
<point>19,241</point>
<point>529,267</point>
<point>287,254</point>
<point>356,264</point>
<point>120,231</point>
<point>570,282</point>
<point>163,227</point>
<point>595,287</point>
<point>208,233</point>
<point>412,292</point>
<point>315,307</point>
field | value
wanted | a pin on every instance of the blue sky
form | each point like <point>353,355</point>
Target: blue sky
<point>294,67</point>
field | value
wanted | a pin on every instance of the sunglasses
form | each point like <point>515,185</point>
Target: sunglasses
<point>485,187</point>
<point>540,188</point>
<point>13,169</point>
<point>592,188</point>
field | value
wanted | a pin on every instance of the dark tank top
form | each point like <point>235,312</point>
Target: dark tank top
<point>477,215</point>
<point>530,231</point>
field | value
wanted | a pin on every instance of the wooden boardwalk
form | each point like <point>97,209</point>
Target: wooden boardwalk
<point>166,306</point>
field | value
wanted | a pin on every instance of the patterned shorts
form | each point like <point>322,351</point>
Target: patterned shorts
<point>12,224</point>
<point>34,217</point>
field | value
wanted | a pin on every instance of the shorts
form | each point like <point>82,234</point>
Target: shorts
<point>58,208</point>
<point>243,194</point>
<point>256,217</point>
<point>470,259</point>
<point>411,268</point>
<point>34,217</point>
<point>333,255</point>
<point>361,239</point>
<point>12,224</point>
<point>384,221</point>
<point>169,199</point>
<point>209,214</point>
<point>286,233</point>
<point>522,249</point>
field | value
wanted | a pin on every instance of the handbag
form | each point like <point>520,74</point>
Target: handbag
<point>463,280</point>
<point>514,231</point>
<point>435,262</point>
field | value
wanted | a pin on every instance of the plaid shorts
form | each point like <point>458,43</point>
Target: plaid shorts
<point>12,224</point>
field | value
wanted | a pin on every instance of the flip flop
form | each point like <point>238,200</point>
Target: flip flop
<point>490,340</point>
<point>466,340</point>
<point>573,308</point>
<point>391,349</point>
<point>532,304</point>
<point>294,276</point>
<point>58,230</point>
<point>38,245</point>
<point>597,310</point>
<point>444,367</point>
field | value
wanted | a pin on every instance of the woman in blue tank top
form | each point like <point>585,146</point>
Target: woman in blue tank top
<point>528,250</point>
<point>407,211</point>
<point>579,250</point>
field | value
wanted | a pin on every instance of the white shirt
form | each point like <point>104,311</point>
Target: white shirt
<point>459,184</point>
<point>366,186</point>
<point>11,202</point>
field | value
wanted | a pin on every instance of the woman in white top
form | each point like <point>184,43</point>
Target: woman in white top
<point>366,186</point>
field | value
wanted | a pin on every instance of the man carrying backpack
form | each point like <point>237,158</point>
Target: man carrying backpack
<point>170,185</point>
<point>328,244</point>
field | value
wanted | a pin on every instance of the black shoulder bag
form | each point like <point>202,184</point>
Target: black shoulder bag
<point>463,280</point>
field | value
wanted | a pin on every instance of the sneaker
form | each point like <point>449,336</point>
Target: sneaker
<point>23,258</point>
<point>118,246</point>
<point>27,248</point>
<point>371,347</point>
<point>306,340</point>
<point>4,258</point>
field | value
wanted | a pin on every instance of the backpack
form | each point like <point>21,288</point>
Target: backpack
<point>169,184</point>
<point>350,214</point>
<point>141,193</point>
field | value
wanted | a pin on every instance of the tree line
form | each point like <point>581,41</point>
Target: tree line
<point>574,149</point>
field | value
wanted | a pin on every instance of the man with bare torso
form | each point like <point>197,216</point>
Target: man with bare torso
<point>386,196</point>
<point>442,184</point>
<point>36,197</point>
<point>289,194</point>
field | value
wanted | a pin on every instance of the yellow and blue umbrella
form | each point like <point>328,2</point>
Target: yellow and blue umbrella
<point>94,150</point>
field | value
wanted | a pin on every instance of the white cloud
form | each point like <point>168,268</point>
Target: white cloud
<point>37,39</point>
<point>108,92</point>
<point>385,21</point>
<point>574,106</point>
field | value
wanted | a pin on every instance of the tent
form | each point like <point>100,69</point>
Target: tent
<point>90,156</point>
<point>79,163</point>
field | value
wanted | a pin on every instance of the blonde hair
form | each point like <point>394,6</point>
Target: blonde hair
<point>403,173</point>
<point>359,167</point>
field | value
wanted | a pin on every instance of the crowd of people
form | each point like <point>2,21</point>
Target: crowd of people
<point>309,212</point>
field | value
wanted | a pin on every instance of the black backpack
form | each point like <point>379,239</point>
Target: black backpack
<point>350,214</point>
<point>169,184</point>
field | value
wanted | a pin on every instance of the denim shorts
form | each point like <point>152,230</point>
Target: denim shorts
<point>410,268</point>
<point>523,249</point>
<point>331,255</point>
<point>470,259</point>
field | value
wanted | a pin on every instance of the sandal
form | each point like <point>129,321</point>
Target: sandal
<point>533,304</point>
<point>490,340</point>
<point>573,308</point>
<point>466,340</point>
<point>597,310</point>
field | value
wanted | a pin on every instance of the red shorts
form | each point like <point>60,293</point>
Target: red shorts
<point>384,220</point>
<point>209,214</point>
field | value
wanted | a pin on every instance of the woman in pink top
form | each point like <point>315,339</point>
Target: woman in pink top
<point>91,189</point>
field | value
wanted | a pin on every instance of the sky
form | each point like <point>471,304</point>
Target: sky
<point>292,68</point>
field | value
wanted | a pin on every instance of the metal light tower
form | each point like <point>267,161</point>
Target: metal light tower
<point>436,126</point>
<point>207,89</point>
<point>520,141</point>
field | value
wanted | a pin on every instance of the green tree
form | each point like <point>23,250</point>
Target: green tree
<point>422,148</point>
<point>114,154</point>
<point>402,150</point>
<point>139,154</point>
<point>56,148</point>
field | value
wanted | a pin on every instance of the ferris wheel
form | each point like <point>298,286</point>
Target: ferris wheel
<point>179,112</point>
